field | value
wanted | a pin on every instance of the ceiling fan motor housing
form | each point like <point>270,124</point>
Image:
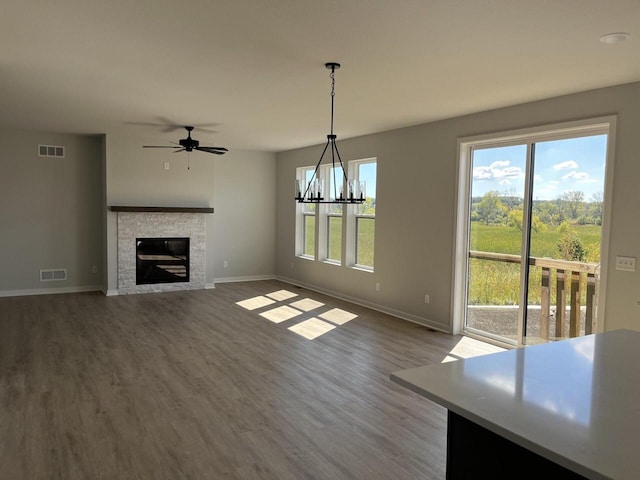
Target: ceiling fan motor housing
<point>189,143</point>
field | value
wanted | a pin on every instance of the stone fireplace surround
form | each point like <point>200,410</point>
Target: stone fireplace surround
<point>157,222</point>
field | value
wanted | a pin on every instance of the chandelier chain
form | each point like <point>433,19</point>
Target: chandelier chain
<point>332,75</point>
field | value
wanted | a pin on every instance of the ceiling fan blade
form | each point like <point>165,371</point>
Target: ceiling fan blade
<point>178,151</point>
<point>214,150</point>
<point>157,146</point>
<point>222,149</point>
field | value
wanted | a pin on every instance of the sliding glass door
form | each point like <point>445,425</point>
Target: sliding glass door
<point>532,234</point>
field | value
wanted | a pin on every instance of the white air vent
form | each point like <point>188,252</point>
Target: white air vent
<point>53,275</point>
<point>50,151</point>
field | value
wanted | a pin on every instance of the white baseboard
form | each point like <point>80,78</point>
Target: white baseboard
<point>112,293</point>
<point>209,286</point>
<point>253,278</point>
<point>373,306</point>
<point>49,291</point>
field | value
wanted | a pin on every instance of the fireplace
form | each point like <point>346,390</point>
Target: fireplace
<point>162,260</point>
<point>142,223</point>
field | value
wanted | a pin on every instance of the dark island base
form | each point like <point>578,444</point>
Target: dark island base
<point>473,452</point>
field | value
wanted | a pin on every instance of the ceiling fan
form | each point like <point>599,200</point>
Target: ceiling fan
<point>190,144</point>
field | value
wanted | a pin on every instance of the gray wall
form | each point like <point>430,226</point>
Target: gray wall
<point>50,212</point>
<point>238,185</point>
<point>415,211</point>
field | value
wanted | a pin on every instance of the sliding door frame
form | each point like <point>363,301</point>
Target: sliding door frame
<point>591,126</point>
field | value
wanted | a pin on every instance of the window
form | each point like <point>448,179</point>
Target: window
<point>334,214</point>
<point>365,216</point>
<point>309,230</point>
<point>340,234</point>
<point>306,224</point>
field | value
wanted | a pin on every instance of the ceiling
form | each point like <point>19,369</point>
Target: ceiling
<point>253,70</point>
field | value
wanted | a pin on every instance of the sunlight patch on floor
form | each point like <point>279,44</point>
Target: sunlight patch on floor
<point>306,304</point>
<point>282,311</point>
<point>312,328</point>
<point>280,314</point>
<point>469,347</point>
<point>255,302</point>
<point>337,316</point>
<point>281,295</point>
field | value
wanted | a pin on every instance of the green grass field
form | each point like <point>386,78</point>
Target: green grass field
<point>498,283</point>
<point>364,247</point>
<point>503,239</point>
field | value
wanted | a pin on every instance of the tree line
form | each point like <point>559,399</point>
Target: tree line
<point>567,209</point>
<point>494,208</point>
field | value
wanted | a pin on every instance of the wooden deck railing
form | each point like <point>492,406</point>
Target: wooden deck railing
<point>569,282</point>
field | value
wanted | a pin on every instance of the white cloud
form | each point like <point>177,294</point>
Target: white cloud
<point>576,176</point>
<point>481,173</point>
<point>500,163</point>
<point>498,170</point>
<point>565,165</point>
<point>508,172</point>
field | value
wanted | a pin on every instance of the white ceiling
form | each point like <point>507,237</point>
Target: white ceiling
<point>255,68</point>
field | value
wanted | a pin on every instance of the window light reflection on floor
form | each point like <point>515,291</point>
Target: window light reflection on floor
<point>337,316</point>
<point>310,328</point>
<point>280,314</point>
<point>469,347</point>
<point>255,302</point>
<point>306,304</point>
<point>282,295</point>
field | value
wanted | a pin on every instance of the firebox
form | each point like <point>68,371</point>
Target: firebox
<point>162,260</point>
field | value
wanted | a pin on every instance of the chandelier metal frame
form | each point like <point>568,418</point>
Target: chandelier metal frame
<point>351,192</point>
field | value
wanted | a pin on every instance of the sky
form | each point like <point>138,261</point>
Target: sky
<point>560,166</point>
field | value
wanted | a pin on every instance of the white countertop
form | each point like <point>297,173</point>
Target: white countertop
<point>575,402</point>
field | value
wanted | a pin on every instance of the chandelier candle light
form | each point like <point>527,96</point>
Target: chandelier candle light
<point>351,191</point>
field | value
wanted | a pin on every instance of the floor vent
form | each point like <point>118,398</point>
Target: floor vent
<point>53,275</point>
<point>50,151</point>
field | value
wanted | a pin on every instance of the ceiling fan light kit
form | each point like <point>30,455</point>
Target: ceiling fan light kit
<point>313,192</point>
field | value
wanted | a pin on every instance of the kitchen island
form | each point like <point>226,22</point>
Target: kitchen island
<point>569,408</point>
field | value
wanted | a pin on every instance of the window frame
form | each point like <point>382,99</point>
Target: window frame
<point>353,216</point>
<point>323,214</point>
<point>301,219</point>
<point>555,131</point>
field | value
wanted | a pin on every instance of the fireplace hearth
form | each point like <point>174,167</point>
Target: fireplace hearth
<point>162,260</point>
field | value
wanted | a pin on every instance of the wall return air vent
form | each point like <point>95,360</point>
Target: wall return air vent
<point>53,275</point>
<point>51,151</point>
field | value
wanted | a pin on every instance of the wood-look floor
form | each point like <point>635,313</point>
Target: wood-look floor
<point>189,385</point>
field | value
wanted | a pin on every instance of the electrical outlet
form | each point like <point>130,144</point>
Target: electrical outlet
<point>225,264</point>
<point>427,299</point>
<point>626,263</point>
<point>377,287</point>
<point>94,269</point>
<point>166,165</point>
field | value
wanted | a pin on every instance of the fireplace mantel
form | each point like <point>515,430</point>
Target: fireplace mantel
<point>122,208</point>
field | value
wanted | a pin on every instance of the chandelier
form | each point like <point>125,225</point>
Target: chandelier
<point>313,192</point>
